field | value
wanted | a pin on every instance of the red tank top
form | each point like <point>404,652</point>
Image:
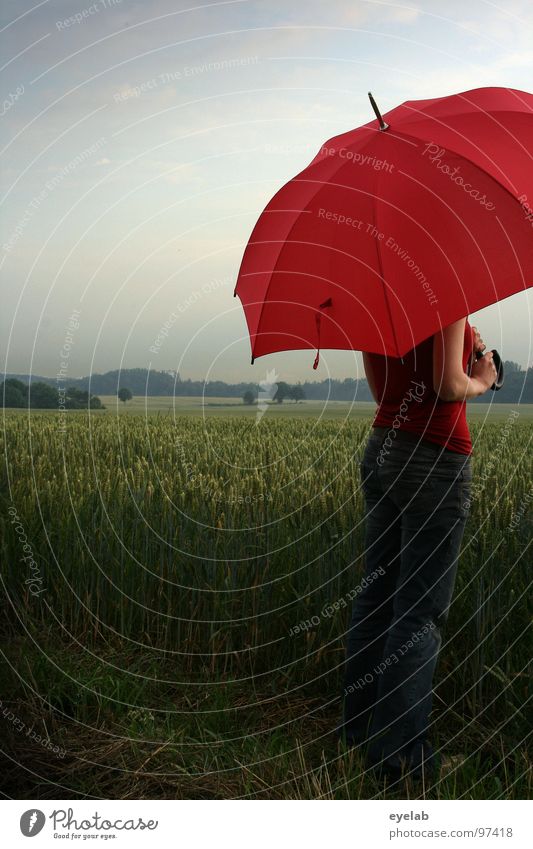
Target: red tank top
<point>408,401</point>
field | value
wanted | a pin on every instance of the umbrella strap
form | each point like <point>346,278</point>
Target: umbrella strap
<point>318,317</point>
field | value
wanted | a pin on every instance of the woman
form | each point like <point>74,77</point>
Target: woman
<point>416,474</point>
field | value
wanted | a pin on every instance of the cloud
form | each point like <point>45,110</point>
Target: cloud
<point>385,12</point>
<point>405,14</point>
<point>501,25</point>
<point>515,59</point>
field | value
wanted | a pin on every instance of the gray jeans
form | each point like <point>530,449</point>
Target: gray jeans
<point>416,504</point>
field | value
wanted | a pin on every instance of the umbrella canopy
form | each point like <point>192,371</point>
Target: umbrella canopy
<point>396,229</point>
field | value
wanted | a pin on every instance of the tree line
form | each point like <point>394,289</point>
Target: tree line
<point>43,396</point>
<point>517,388</point>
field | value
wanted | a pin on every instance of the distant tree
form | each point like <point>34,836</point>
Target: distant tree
<point>95,403</point>
<point>42,396</point>
<point>297,393</point>
<point>45,396</point>
<point>282,392</point>
<point>124,394</point>
<point>14,393</point>
<point>248,397</point>
<point>78,399</point>
<point>510,366</point>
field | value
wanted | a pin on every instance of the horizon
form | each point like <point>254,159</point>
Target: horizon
<point>15,374</point>
<point>181,378</point>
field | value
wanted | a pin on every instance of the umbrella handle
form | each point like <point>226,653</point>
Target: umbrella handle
<point>318,317</point>
<point>498,383</point>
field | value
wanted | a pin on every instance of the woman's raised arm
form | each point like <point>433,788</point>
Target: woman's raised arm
<point>450,382</point>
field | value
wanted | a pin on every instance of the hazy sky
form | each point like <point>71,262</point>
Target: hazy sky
<point>141,140</point>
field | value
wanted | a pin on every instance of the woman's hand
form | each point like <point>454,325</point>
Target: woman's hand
<point>485,370</point>
<point>479,344</point>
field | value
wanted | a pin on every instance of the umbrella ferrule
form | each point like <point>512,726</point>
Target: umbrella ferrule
<point>382,124</point>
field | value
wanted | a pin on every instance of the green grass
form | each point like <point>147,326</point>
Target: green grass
<point>177,553</point>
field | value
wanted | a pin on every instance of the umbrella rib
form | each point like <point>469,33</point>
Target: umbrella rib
<point>283,241</point>
<point>464,158</point>
<point>380,264</point>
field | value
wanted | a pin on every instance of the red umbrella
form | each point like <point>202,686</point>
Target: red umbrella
<point>396,228</point>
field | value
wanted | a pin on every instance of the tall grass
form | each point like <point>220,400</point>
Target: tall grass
<point>189,550</point>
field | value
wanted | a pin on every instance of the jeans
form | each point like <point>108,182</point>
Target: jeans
<point>416,505</point>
